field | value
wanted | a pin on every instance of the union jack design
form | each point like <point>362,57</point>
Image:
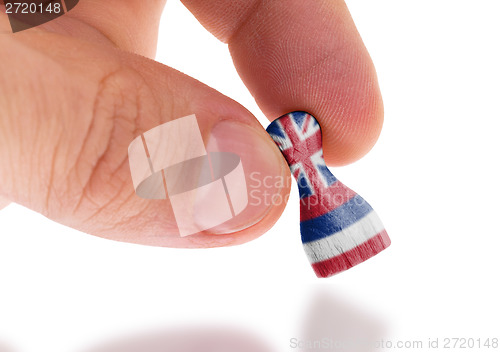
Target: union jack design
<point>339,229</point>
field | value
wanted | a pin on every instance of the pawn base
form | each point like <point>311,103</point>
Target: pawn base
<point>352,257</point>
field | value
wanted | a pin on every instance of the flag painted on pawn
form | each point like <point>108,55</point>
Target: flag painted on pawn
<point>339,229</point>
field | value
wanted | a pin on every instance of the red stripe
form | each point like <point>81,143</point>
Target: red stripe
<point>352,257</point>
<point>289,128</point>
<point>300,150</point>
<point>306,122</point>
<point>328,199</point>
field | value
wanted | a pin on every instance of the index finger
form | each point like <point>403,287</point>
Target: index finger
<point>303,55</point>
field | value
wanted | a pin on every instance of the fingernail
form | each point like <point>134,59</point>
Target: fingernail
<point>252,173</point>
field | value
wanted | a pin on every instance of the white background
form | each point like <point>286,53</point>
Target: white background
<point>432,177</point>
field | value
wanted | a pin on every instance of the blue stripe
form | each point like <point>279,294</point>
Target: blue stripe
<point>299,118</point>
<point>275,129</point>
<point>304,189</point>
<point>327,175</point>
<point>335,220</point>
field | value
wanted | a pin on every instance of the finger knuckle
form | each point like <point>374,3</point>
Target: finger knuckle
<point>101,175</point>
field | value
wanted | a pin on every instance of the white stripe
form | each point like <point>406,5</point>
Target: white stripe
<point>317,160</point>
<point>342,241</point>
<point>312,127</point>
<point>284,142</point>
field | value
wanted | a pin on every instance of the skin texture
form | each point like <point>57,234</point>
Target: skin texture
<point>4,202</point>
<point>81,87</point>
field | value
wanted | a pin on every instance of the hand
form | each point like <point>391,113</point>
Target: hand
<point>76,91</point>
